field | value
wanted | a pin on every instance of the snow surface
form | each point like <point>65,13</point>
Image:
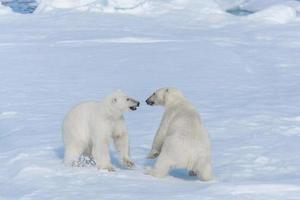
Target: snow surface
<point>242,74</point>
<point>277,14</point>
<point>5,10</point>
<point>256,5</point>
<point>161,6</point>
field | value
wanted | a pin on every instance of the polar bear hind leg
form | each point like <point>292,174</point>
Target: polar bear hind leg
<point>100,153</point>
<point>72,154</point>
<point>204,171</point>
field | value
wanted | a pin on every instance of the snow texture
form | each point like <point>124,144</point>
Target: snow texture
<point>5,10</point>
<point>241,73</point>
<point>280,14</point>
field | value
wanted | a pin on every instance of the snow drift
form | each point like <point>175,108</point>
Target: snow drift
<point>130,6</point>
<point>258,5</point>
<point>273,11</point>
<point>278,14</point>
<point>110,6</point>
<point>4,10</point>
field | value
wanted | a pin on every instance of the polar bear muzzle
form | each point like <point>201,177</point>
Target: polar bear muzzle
<point>150,101</point>
<point>134,102</point>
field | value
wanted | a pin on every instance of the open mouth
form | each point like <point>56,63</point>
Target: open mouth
<point>133,107</point>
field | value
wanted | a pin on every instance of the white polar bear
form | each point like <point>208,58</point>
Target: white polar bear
<point>181,140</point>
<point>89,126</point>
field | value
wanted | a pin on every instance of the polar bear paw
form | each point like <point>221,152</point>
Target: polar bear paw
<point>192,173</point>
<point>148,170</point>
<point>153,155</point>
<point>76,164</point>
<point>154,172</point>
<point>109,168</point>
<point>128,163</point>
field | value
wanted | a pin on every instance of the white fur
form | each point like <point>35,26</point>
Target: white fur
<point>181,140</point>
<point>89,126</point>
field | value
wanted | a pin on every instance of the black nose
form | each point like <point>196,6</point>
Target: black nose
<point>149,102</point>
<point>138,103</point>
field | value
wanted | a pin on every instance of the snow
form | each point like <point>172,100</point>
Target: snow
<point>256,5</point>
<point>5,10</point>
<point>280,14</point>
<point>152,7</point>
<point>111,6</point>
<point>135,7</point>
<point>241,73</point>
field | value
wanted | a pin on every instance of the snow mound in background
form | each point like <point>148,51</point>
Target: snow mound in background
<point>5,10</point>
<point>52,5</point>
<point>131,6</point>
<point>108,6</point>
<point>258,5</point>
<point>278,14</point>
<point>273,11</point>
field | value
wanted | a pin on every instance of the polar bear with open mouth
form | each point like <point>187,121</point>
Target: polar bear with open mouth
<point>89,126</point>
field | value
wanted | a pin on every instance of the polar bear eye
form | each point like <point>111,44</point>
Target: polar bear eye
<point>127,99</point>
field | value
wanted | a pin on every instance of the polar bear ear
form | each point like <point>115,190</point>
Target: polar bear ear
<point>114,100</point>
<point>165,95</point>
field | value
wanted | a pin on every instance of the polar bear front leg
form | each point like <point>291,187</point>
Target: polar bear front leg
<point>120,138</point>
<point>159,138</point>
<point>72,154</point>
<point>100,153</point>
<point>122,146</point>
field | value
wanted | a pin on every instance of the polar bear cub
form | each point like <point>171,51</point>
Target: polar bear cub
<point>181,140</point>
<point>89,126</point>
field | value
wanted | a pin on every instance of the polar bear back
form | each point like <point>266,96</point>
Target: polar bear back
<point>186,128</point>
<point>80,120</point>
<point>186,118</point>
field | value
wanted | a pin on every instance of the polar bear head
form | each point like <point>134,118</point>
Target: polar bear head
<point>165,97</point>
<point>121,102</point>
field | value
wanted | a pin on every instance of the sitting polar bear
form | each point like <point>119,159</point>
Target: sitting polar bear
<point>181,140</point>
<point>89,126</point>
